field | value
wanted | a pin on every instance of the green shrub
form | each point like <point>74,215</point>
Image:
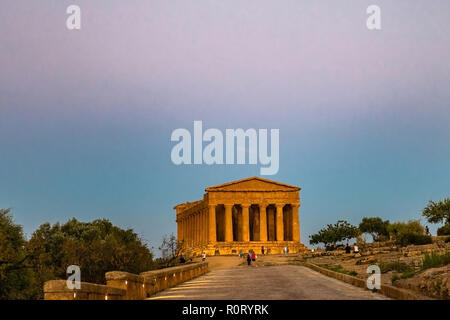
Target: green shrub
<point>435,260</point>
<point>398,228</point>
<point>444,230</point>
<point>447,239</point>
<point>413,238</point>
<point>396,266</point>
<point>395,277</point>
<point>407,274</point>
<point>340,269</point>
<point>411,232</point>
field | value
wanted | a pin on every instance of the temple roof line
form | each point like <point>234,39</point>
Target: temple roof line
<point>221,186</point>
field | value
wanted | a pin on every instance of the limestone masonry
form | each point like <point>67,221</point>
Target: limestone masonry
<point>246,214</point>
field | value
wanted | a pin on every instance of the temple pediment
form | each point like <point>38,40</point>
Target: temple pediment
<point>253,184</point>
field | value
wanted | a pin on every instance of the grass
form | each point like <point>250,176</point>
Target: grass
<point>404,275</point>
<point>435,260</point>
<point>340,269</point>
<point>396,266</point>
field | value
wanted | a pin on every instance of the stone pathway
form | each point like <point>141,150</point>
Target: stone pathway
<point>284,282</point>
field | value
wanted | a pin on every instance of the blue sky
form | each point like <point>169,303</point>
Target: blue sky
<point>86,116</point>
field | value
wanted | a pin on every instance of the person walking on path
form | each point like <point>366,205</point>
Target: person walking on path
<point>203,256</point>
<point>253,256</point>
<point>262,250</point>
<point>249,258</point>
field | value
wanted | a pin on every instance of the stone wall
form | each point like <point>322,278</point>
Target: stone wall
<point>57,290</point>
<point>126,286</point>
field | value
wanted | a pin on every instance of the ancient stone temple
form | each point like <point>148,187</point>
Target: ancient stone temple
<point>246,214</point>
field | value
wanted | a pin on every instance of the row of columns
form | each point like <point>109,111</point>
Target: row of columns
<point>199,228</point>
<point>245,222</point>
<point>193,230</point>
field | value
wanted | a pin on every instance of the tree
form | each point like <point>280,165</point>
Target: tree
<point>411,232</point>
<point>96,247</point>
<point>16,277</point>
<point>332,234</point>
<point>376,227</point>
<point>437,212</point>
<point>171,249</point>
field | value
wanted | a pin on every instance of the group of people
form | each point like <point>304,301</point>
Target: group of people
<point>182,259</point>
<point>348,249</point>
<point>251,256</point>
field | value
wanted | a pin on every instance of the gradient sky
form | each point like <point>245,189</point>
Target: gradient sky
<point>86,116</point>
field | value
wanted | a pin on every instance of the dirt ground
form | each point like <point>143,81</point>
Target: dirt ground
<point>433,282</point>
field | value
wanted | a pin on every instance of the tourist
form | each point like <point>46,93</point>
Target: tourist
<point>355,248</point>
<point>249,258</point>
<point>253,256</point>
<point>348,249</point>
<point>241,253</point>
<point>285,250</point>
<point>203,256</point>
<point>262,250</point>
<point>182,259</point>
<point>427,231</point>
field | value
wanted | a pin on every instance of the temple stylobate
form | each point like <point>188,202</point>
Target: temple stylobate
<point>246,214</point>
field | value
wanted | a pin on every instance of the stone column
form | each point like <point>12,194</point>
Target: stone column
<point>202,227</point>
<point>190,230</point>
<point>263,222</point>
<point>228,223</point>
<point>178,228</point>
<point>280,230</point>
<point>205,226</point>
<point>245,218</point>
<point>199,227</point>
<point>186,230</point>
<point>212,224</point>
<point>295,222</point>
<point>195,229</point>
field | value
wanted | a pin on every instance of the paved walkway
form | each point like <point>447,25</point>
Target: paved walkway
<point>285,282</point>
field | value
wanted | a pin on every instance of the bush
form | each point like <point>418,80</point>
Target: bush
<point>404,275</point>
<point>435,260</point>
<point>444,230</point>
<point>340,269</point>
<point>412,238</point>
<point>396,266</point>
<point>399,228</point>
<point>447,239</point>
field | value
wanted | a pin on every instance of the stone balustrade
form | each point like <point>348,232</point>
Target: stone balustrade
<point>126,286</point>
<point>57,290</point>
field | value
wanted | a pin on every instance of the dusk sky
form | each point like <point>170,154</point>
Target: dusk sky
<point>86,115</point>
